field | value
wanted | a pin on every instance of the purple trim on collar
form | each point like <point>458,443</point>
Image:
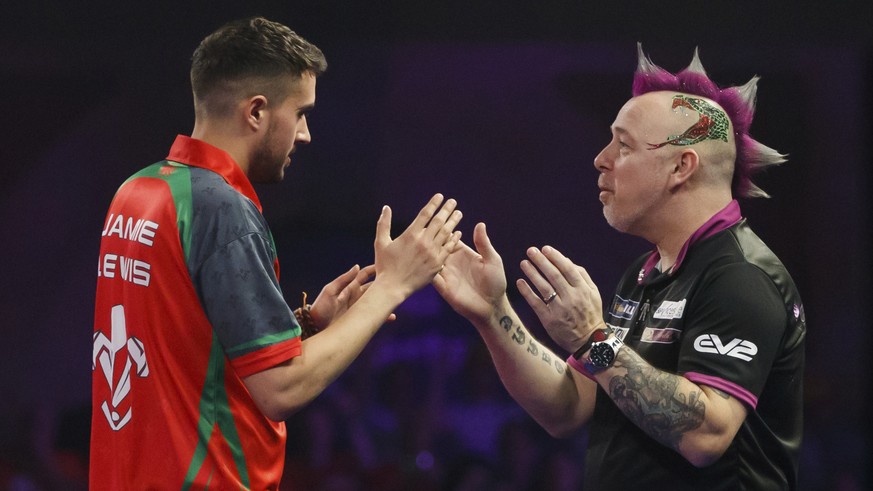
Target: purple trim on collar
<point>726,218</point>
<point>198,153</point>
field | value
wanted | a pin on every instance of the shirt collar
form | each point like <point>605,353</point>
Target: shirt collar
<point>726,218</point>
<point>198,153</point>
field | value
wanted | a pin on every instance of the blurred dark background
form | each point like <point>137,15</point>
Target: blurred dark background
<point>502,105</point>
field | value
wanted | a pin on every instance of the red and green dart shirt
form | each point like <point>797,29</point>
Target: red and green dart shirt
<point>188,303</point>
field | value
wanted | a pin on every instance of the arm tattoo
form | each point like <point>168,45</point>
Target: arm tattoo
<point>520,335</point>
<point>649,398</point>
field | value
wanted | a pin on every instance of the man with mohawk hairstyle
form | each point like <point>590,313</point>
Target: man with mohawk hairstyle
<point>691,376</point>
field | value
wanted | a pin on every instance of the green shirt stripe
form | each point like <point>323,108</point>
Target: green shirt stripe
<point>266,340</point>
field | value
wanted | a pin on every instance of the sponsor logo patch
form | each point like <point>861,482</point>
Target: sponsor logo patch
<point>737,348</point>
<point>623,309</point>
<point>663,336</point>
<point>620,332</point>
<point>670,310</point>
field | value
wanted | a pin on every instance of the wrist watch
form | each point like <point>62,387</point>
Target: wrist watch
<point>597,335</point>
<point>602,354</point>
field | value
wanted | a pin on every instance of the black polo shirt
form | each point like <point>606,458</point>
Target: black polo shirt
<point>729,316</point>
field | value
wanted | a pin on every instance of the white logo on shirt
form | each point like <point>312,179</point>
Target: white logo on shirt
<point>738,348</point>
<point>670,310</point>
<point>106,350</point>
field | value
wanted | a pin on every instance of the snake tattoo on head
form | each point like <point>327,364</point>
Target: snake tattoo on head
<point>712,123</point>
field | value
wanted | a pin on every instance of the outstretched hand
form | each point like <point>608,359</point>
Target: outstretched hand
<point>410,261</point>
<point>576,309</point>
<point>473,282</point>
<point>337,296</point>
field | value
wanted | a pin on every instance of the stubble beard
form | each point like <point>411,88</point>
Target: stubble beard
<point>266,166</point>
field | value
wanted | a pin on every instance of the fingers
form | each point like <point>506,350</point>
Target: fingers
<point>552,272</point>
<point>535,301</point>
<point>544,275</point>
<point>453,264</point>
<point>542,285</point>
<point>437,219</point>
<point>583,273</point>
<point>450,245</point>
<point>441,225</point>
<point>444,232</point>
<point>424,216</point>
<point>383,227</point>
<point>361,283</point>
<point>365,274</point>
<point>568,269</point>
<point>342,281</point>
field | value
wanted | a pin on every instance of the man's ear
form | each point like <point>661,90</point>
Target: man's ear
<point>684,166</point>
<point>255,111</point>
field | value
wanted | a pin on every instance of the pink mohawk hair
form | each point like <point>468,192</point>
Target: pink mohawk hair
<point>738,103</point>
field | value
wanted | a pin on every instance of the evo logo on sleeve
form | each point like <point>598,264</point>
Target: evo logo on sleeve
<point>738,348</point>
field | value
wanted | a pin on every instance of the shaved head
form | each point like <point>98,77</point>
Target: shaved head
<point>737,103</point>
<point>675,121</point>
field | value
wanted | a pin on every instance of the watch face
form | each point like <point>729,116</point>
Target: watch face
<point>601,355</point>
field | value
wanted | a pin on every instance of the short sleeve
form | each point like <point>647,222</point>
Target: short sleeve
<point>243,301</point>
<point>733,331</point>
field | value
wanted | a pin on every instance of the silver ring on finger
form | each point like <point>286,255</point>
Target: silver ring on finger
<point>551,297</point>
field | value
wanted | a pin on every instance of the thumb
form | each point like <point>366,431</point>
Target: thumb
<point>383,227</point>
<point>483,243</point>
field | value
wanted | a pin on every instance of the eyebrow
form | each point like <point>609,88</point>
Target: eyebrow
<point>306,108</point>
<point>621,131</point>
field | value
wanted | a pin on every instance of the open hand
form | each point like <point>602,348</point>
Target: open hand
<point>473,282</point>
<point>410,261</point>
<point>576,309</point>
<point>337,296</point>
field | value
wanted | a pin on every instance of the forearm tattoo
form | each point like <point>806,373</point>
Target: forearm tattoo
<point>523,338</point>
<point>649,398</point>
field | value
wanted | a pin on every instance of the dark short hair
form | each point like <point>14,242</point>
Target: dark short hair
<point>254,49</point>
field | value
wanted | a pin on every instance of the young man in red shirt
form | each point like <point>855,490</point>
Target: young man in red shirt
<point>197,358</point>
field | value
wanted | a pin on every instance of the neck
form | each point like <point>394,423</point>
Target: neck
<point>219,135</point>
<point>683,222</point>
